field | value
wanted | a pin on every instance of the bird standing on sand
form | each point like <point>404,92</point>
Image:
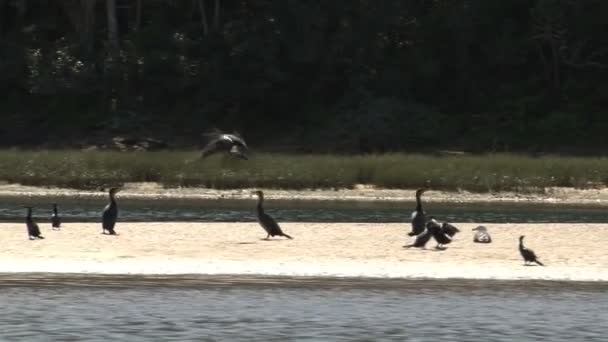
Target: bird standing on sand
<point>418,216</point>
<point>271,227</point>
<point>234,144</point>
<point>33,231</point>
<point>482,235</point>
<point>110,214</point>
<point>528,254</point>
<point>442,233</point>
<point>55,219</point>
<point>421,239</point>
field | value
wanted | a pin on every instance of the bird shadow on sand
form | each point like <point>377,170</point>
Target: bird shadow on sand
<point>533,265</point>
<point>245,243</point>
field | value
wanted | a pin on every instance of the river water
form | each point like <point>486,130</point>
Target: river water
<point>354,310</point>
<point>229,210</point>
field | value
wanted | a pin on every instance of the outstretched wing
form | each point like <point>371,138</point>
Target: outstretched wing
<point>210,148</point>
<point>449,229</point>
<point>237,139</point>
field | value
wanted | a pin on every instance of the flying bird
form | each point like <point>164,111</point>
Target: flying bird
<point>233,144</point>
<point>528,254</point>
<point>271,226</point>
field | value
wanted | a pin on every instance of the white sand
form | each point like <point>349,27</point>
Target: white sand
<point>570,251</point>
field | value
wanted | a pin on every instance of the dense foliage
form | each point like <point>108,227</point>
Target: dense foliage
<point>308,75</point>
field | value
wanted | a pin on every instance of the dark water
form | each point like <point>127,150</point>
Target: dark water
<point>302,211</point>
<point>271,311</point>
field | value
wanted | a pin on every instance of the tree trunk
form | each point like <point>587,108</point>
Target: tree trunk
<point>88,29</point>
<point>203,13</point>
<point>112,27</point>
<point>2,3</point>
<point>138,15</point>
<point>216,16</point>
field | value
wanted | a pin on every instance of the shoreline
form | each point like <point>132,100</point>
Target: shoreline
<point>333,250</point>
<point>227,280</point>
<point>154,191</point>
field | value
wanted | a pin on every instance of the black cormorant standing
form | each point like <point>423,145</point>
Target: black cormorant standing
<point>223,142</point>
<point>33,231</point>
<point>110,213</point>
<point>268,223</point>
<point>418,216</point>
<point>482,235</point>
<point>55,219</point>
<point>527,253</point>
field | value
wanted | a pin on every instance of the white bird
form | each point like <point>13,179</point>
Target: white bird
<point>482,235</point>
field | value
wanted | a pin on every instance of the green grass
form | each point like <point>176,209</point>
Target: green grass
<point>495,172</point>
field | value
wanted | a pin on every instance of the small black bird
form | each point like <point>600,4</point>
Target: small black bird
<point>528,254</point>
<point>55,219</point>
<point>33,231</point>
<point>418,216</point>
<point>482,235</point>
<point>233,144</point>
<point>266,221</point>
<point>110,214</point>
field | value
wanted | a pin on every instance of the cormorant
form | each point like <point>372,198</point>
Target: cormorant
<point>442,233</point>
<point>223,142</point>
<point>482,235</point>
<point>33,231</point>
<point>268,223</point>
<point>110,213</point>
<point>418,216</point>
<point>421,239</point>
<point>527,253</point>
<point>55,219</point>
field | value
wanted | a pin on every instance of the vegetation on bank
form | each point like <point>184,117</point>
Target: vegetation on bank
<point>479,173</point>
<point>308,76</point>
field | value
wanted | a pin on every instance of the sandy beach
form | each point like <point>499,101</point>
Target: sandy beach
<point>570,251</point>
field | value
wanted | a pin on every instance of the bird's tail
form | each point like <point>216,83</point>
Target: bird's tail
<point>411,234</point>
<point>538,262</point>
<point>287,236</point>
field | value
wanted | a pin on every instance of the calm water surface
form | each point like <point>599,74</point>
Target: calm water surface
<point>418,311</point>
<point>12,210</point>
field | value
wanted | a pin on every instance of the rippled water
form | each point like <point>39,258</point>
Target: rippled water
<point>416,311</point>
<point>301,211</point>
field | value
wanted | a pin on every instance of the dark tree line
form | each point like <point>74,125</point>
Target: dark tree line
<point>365,75</point>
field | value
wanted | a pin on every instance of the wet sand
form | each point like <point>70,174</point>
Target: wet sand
<point>570,251</point>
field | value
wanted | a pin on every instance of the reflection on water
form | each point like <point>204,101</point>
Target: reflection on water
<point>414,312</point>
<point>89,210</point>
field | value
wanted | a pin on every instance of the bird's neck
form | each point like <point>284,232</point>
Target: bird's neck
<point>418,204</point>
<point>521,244</point>
<point>29,215</point>
<point>55,211</point>
<point>112,200</point>
<point>259,207</point>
